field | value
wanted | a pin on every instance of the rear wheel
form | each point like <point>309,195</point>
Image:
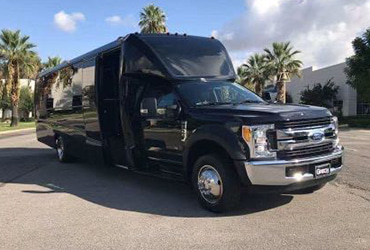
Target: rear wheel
<point>216,183</point>
<point>60,147</point>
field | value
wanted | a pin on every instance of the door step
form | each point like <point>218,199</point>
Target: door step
<point>162,174</point>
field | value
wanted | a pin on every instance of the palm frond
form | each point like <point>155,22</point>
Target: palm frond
<point>152,20</point>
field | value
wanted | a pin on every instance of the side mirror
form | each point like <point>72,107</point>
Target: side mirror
<point>173,111</point>
<point>148,107</point>
<point>266,96</point>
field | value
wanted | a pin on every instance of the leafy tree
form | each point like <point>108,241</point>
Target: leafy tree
<point>152,20</point>
<point>25,101</point>
<point>320,95</point>
<point>283,66</point>
<point>255,72</point>
<point>17,52</point>
<point>358,66</point>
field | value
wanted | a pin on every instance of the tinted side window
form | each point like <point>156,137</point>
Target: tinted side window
<point>166,100</point>
<point>161,96</point>
<point>137,62</point>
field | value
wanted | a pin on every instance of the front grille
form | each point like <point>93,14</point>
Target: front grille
<point>307,151</point>
<point>324,121</point>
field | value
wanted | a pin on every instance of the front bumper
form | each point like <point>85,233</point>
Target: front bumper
<point>273,173</point>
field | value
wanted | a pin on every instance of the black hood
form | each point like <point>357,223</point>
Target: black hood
<point>258,113</point>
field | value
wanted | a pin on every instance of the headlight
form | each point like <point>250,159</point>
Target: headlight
<point>334,120</point>
<point>257,140</point>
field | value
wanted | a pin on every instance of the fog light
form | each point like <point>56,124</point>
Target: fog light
<point>298,176</point>
<point>296,171</point>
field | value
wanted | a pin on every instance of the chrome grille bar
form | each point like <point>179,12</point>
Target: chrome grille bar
<point>297,143</point>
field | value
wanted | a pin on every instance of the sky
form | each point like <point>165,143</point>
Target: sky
<point>321,29</point>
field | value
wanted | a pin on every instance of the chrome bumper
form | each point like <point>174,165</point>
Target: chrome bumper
<point>274,172</point>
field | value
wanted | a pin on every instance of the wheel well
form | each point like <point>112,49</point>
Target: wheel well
<point>200,148</point>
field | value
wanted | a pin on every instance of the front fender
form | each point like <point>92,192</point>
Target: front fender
<point>221,135</point>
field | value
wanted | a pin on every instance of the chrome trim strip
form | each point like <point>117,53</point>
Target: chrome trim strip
<point>302,161</point>
<point>121,166</point>
<point>293,144</point>
<point>284,134</point>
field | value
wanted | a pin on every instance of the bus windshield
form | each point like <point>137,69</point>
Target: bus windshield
<point>198,94</point>
<point>192,56</point>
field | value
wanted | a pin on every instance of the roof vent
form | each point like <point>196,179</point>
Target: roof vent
<point>176,34</point>
<point>184,34</point>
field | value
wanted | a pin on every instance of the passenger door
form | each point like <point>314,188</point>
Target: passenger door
<point>161,123</point>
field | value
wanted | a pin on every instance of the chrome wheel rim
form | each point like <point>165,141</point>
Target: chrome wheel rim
<point>210,184</point>
<point>60,148</point>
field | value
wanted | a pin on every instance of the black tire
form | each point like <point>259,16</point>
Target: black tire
<point>61,150</point>
<point>229,183</point>
<point>312,189</point>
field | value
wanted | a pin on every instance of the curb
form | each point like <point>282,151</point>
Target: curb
<point>17,130</point>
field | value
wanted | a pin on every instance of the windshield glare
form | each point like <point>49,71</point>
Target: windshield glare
<point>216,93</point>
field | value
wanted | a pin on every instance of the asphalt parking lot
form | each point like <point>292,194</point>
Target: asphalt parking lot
<point>48,205</point>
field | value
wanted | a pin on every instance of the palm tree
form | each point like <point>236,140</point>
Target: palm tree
<point>17,52</point>
<point>31,67</point>
<point>152,20</point>
<point>283,66</point>
<point>52,62</point>
<point>255,72</point>
<point>240,79</point>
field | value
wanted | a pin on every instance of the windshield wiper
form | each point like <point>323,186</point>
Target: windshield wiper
<point>214,104</point>
<point>249,101</point>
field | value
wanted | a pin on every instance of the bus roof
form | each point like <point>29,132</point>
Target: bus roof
<point>160,43</point>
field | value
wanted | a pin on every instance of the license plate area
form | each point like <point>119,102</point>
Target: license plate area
<point>322,170</point>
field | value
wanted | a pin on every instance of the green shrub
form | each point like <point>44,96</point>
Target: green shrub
<point>362,121</point>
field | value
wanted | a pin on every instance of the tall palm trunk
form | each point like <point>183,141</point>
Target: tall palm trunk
<point>258,89</point>
<point>4,96</point>
<point>281,97</point>
<point>8,85</point>
<point>14,95</point>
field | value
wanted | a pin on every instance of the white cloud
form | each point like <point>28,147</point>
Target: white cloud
<point>322,30</point>
<point>114,19</point>
<point>128,21</point>
<point>68,22</point>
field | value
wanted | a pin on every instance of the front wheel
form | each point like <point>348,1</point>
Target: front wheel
<point>216,183</point>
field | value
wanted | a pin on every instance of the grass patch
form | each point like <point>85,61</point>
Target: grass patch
<point>6,126</point>
<point>361,121</point>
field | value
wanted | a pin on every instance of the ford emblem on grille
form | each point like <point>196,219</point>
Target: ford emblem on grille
<point>317,136</point>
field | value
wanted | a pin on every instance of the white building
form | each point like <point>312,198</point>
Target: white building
<point>23,83</point>
<point>346,93</point>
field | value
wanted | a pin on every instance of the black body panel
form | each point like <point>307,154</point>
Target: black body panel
<point>264,113</point>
